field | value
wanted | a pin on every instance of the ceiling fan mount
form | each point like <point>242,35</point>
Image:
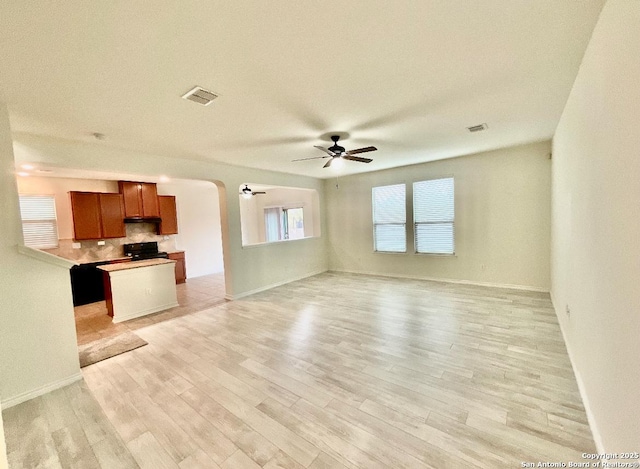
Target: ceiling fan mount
<point>337,151</point>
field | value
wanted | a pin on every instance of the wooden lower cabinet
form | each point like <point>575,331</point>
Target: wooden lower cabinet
<point>181,266</point>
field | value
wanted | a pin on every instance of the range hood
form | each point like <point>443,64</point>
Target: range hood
<point>142,220</point>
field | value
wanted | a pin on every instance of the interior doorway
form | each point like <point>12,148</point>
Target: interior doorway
<point>199,239</point>
<point>201,215</point>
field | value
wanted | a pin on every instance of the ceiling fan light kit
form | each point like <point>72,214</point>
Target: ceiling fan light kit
<point>338,153</point>
<point>247,193</point>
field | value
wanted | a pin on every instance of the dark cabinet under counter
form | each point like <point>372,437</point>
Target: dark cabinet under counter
<point>87,285</point>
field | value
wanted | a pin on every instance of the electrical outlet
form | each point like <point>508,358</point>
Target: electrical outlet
<point>568,310</point>
<point>76,245</point>
<point>101,243</point>
<point>483,267</point>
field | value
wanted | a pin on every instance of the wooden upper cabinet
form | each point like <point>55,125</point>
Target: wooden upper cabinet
<point>149,196</point>
<point>85,208</point>
<point>140,199</point>
<point>97,215</point>
<point>168,215</point>
<point>132,199</point>
<point>112,215</point>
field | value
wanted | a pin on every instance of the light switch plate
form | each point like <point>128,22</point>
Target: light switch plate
<point>76,245</point>
<point>101,243</point>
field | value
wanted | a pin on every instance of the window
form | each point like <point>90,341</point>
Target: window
<point>389,218</point>
<point>293,222</point>
<point>433,215</point>
<point>283,223</point>
<point>272,224</point>
<point>39,225</point>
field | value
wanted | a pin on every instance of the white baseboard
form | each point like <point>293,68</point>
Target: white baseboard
<point>449,280</point>
<point>25,396</point>
<point>272,285</point>
<point>597,437</point>
<point>137,314</point>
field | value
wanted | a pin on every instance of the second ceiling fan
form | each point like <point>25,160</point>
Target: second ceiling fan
<point>336,151</point>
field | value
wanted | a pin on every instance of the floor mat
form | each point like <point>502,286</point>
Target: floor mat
<point>108,347</point>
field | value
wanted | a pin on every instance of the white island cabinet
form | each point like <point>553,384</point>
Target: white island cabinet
<point>134,289</point>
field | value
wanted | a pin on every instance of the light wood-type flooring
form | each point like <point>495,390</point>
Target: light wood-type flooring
<point>334,371</point>
<point>198,293</point>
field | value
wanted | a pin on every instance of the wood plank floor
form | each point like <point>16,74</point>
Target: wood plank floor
<point>197,294</point>
<point>334,371</point>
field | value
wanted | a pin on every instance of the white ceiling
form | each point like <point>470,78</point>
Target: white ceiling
<point>407,77</point>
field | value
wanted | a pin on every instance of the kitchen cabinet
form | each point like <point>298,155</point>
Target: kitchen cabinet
<point>87,283</point>
<point>112,216</point>
<point>140,199</point>
<point>97,215</point>
<point>181,266</point>
<point>85,208</point>
<point>168,215</point>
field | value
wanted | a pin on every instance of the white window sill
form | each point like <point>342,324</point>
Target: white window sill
<point>269,243</point>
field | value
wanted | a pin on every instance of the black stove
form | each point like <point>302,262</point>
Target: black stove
<point>142,251</point>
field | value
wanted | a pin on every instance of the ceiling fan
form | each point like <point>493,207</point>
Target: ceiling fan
<point>248,193</point>
<point>336,151</point>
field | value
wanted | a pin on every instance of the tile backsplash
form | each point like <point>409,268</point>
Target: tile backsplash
<point>91,252</point>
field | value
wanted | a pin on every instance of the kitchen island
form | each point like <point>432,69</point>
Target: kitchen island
<point>134,289</point>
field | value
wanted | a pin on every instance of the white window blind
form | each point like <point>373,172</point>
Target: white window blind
<point>39,225</point>
<point>389,218</point>
<point>433,215</point>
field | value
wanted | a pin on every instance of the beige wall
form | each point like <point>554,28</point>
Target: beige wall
<point>199,226</point>
<point>502,220</point>
<point>37,330</point>
<point>596,227</point>
<point>4,464</point>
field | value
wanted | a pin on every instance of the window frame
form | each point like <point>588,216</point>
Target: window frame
<point>451,222</point>
<point>283,222</point>
<point>53,222</point>
<point>376,224</point>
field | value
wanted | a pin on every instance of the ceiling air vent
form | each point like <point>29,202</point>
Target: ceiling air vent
<point>200,95</point>
<point>477,128</point>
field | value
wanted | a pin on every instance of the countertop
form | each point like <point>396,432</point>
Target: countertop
<point>134,264</point>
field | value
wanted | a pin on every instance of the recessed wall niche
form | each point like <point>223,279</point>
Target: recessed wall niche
<point>273,214</point>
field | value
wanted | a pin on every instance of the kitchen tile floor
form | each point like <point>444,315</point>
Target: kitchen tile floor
<point>93,323</point>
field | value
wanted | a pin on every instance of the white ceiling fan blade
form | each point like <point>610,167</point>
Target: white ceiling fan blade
<point>328,152</point>
<point>311,158</point>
